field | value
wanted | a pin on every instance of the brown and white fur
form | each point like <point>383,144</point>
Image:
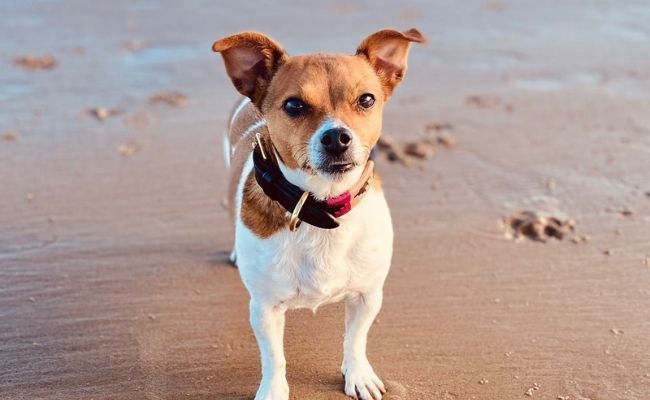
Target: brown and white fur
<point>310,267</point>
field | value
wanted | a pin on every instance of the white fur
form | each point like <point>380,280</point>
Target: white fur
<point>229,149</point>
<point>257,125</point>
<point>240,107</point>
<point>227,154</point>
<point>312,267</point>
<point>321,186</point>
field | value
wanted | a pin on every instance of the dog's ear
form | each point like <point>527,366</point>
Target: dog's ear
<point>387,51</point>
<point>251,59</point>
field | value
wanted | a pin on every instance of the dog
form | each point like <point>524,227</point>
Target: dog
<point>312,225</point>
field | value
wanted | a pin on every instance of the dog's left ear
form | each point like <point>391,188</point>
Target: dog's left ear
<point>251,61</point>
<point>387,52</point>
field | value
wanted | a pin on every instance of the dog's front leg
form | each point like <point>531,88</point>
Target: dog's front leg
<point>268,325</point>
<point>360,380</point>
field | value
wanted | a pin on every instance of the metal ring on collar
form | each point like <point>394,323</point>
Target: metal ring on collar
<point>258,138</point>
<point>294,222</point>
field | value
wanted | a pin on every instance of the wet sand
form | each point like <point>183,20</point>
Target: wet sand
<point>113,280</point>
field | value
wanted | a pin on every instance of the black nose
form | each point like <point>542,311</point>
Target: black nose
<point>336,141</point>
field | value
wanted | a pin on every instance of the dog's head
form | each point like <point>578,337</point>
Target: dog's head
<point>323,111</point>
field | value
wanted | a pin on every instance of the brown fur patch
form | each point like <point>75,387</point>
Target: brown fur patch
<point>237,162</point>
<point>259,213</point>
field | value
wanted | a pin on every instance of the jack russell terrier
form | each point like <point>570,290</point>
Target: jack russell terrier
<point>312,224</point>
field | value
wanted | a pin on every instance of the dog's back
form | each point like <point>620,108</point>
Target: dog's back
<point>244,121</point>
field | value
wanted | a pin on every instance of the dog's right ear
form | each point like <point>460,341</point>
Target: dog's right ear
<point>251,59</point>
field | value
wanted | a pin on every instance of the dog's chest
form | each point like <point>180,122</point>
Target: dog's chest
<point>317,267</point>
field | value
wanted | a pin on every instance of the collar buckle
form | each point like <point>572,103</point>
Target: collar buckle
<point>294,222</point>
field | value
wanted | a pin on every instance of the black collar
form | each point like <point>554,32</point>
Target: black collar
<point>319,213</point>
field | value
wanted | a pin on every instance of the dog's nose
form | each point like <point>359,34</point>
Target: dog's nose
<point>336,140</point>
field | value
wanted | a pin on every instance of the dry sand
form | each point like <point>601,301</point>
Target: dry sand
<point>113,280</point>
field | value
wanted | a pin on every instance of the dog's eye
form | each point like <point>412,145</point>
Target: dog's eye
<point>295,107</point>
<point>366,100</point>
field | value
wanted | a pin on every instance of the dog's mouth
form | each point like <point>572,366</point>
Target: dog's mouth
<point>335,168</point>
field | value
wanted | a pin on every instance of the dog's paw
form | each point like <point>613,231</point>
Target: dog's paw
<point>276,389</point>
<point>361,382</point>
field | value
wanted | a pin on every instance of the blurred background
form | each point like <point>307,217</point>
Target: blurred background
<point>516,167</point>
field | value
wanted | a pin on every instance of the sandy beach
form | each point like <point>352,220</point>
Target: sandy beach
<point>113,238</point>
